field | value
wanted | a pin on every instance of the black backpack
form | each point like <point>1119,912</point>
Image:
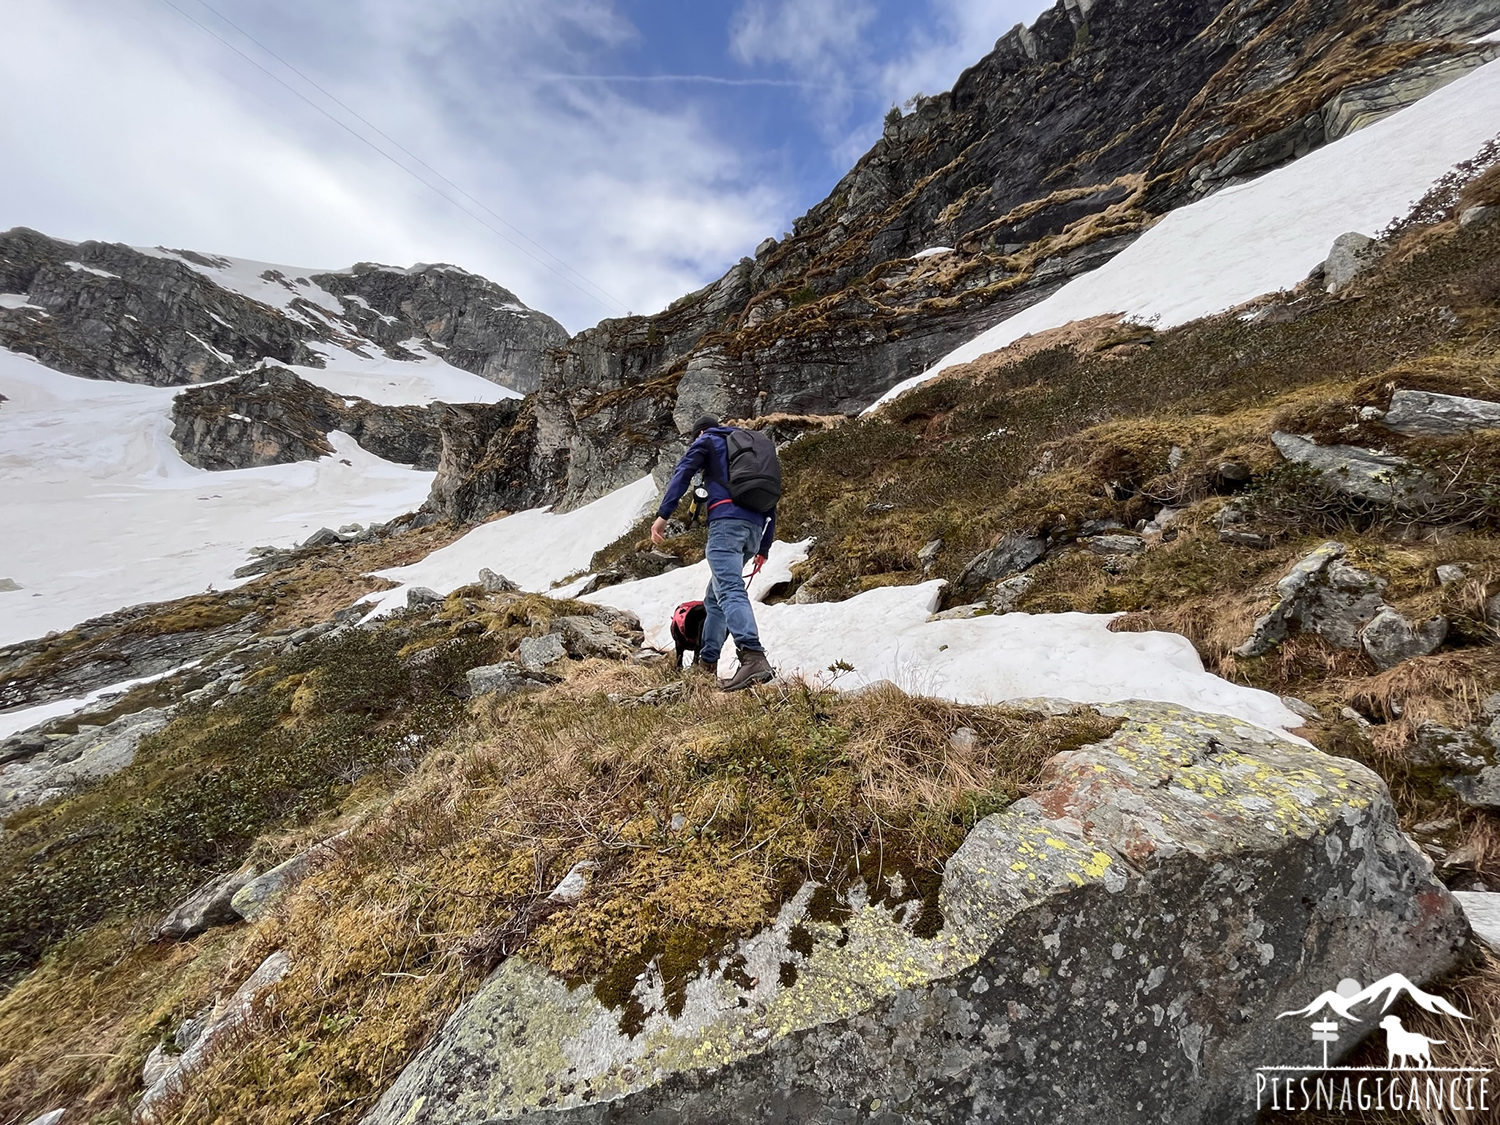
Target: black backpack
<point>754,470</point>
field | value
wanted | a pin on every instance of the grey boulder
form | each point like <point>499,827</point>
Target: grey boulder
<point>1007,595</point>
<point>1114,948</point>
<point>422,595</point>
<point>499,680</point>
<point>1321,594</point>
<point>1390,638</point>
<point>259,895</point>
<point>1013,554</point>
<point>1357,472</point>
<point>1427,414</point>
<point>1115,544</point>
<point>589,636</point>
<point>538,653</point>
<point>492,583</point>
<point>1350,255</point>
<point>206,907</point>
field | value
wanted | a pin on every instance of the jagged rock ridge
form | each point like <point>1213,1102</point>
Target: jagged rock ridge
<point>173,317</point>
<point>1046,158</point>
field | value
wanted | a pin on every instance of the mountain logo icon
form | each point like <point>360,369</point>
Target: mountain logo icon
<point>1412,1079</point>
<point>1355,1004</point>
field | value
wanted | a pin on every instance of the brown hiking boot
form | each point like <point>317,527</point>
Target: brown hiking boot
<point>754,669</point>
<point>704,668</point>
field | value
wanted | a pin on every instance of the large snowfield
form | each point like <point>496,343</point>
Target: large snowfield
<point>1267,234</point>
<point>399,382</point>
<point>100,511</point>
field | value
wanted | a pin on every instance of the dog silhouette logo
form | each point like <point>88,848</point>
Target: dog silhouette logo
<point>1411,1078</point>
<point>1412,1049</point>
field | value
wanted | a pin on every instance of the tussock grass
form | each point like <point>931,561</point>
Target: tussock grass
<point>451,858</point>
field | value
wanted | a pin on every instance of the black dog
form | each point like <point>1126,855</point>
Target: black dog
<point>687,629</point>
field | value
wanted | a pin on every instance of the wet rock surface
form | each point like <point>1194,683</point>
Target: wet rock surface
<point>1117,936</point>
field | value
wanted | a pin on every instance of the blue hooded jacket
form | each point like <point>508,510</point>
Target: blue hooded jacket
<point>708,454</point>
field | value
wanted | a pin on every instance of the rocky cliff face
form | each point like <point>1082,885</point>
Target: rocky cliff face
<point>270,416</point>
<point>1047,157</point>
<point>168,317</point>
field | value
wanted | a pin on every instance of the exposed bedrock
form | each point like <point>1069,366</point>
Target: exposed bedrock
<point>1115,948</point>
<point>1046,158</point>
<point>272,416</point>
<point>173,317</point>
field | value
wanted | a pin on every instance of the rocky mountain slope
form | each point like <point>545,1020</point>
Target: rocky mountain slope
<point>1138,682</point>
<point>168,317</point>
<point>1048,156</point>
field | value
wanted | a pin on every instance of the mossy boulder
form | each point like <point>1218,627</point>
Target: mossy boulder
<point>1116,947</point>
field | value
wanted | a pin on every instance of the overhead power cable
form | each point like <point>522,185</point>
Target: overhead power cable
<point>611,299</point>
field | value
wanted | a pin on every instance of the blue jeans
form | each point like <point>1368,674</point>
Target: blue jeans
<point>731,544</point>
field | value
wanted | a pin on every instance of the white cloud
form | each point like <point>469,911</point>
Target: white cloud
<point>840,43</point>
<point>820,41</point>
<point>957,35</point>
<point>126,123</point>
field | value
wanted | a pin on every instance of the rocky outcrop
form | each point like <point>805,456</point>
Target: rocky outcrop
<point>259,894</point>
<point>1046,158</point>
<point>206,1038</point>
<point>1389,638</point>
<point>60,762</point>
<point>1361,474</point>
<point>174,317</point>
<point>272,416</point>
<point>1321,594</point>
<point>1116,944</point>
<point>208,906</point>
<point>470,321</point>
<point>1351,255</point>
<point>1014,553</point>
<point>1345,606</point>
<point>1426,414</point>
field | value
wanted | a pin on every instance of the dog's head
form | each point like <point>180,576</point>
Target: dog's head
<point>1392,1023</point>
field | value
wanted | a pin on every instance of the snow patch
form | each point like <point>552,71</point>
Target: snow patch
<point>1267,234</point>
<point>885,635</point>
<point>17,301</point>
<point>399,382</point>
<point>535,548</point>
<point>13,722</point>
<point>933,251</point>
<point>76,266</point>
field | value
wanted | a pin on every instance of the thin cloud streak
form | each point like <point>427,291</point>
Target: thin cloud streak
<point>707,79</point>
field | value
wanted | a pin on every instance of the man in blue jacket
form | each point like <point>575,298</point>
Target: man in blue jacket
<point>735,536</point>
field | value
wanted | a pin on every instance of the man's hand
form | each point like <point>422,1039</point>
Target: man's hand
<point>760,561</point>
<point>659,531</point>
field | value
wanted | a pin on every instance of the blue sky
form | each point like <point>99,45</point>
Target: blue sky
<point>613,154</point>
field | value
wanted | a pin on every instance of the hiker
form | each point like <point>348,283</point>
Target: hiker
<point>741,525</point>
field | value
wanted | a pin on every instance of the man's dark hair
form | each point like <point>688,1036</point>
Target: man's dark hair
<point>707,422</point>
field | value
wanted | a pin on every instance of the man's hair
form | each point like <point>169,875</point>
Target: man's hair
<point>707,422</point>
